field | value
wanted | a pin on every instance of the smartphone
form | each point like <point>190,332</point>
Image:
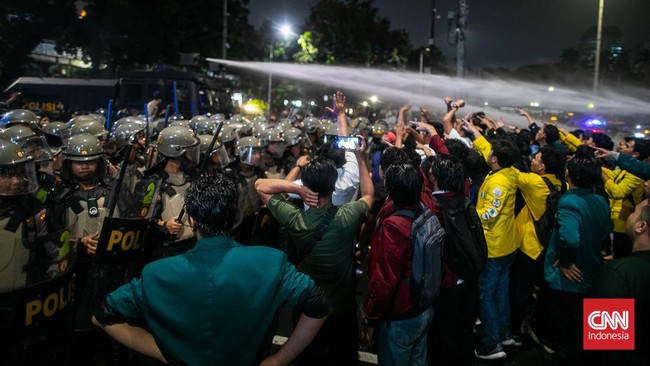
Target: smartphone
<point>351,143</point>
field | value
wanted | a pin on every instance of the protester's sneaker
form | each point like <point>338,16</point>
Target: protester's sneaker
<point>541,342</point>
<point>490,353</point>
<point>512,340</point>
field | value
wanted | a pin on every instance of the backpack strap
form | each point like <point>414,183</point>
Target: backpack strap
<point>320,231</point>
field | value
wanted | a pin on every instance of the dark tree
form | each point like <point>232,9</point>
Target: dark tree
<point>24,25</point>
<point>352,32</point>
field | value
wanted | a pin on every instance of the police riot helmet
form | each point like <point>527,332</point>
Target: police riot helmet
<point>20,117</point>
<point>129,119</point>
<point>17,170</point>
<point>218,151</point>
<point>91,127</point>
<point>250,150</point>
<point>293,136</point>
<point>203,125</point>
<point>33,145</point>
<point>180,123</point>
<point>311,125</point>
<point>259,128</point>
<point>126,133</point>
<point>284,124</point>
<point>379,128</point>
<point>227,134</point>
<point>359,125</point>
<point>83,148</point>
<point>218,117</point>
<point>178,142</point>
<point>79,119</point>
<point>56,134</point>
<point>274,142</point>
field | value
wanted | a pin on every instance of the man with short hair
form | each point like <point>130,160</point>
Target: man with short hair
<point>630,278</point>
<point>401,327</point>
<point>214,304</point>
<point>496,208</point>
<point>573,257</point>
<point>325,237</point>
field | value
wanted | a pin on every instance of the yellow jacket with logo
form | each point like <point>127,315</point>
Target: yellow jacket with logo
<point>625,191</point>
<point>496,206</point>
<point>534,190</point>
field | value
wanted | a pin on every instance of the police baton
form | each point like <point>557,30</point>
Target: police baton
<point>120,180</point>
<point>204,162</point>
<point>166,115</point>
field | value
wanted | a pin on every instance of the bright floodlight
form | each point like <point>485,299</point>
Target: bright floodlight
<point>550,88</point>
<point>286,30</point>
<point>373,99</point>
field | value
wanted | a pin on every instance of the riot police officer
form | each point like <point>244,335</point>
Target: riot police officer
<point>294,140</point>
<point>274,148</point>
<point>247,170</point>
<point>178,152</point>
<point>34,264</point>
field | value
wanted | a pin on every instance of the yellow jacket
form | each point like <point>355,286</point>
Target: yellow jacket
<point>570,141</point>
<point>535,192</point>
<point>496,206</point>
<point>625,191</point>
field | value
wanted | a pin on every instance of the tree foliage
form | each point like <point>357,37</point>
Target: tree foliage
<point>352,32</point>
<point>24,25</point>
<point>127,34</point>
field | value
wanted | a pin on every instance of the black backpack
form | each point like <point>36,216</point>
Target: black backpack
<point>427,238</point>
<point>544,226</point>
<point>466,248</point>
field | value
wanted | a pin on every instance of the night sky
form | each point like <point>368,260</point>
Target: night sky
<point>506,33</point>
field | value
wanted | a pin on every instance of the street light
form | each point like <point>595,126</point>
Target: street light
<point>599,33</point>
<point>285,30</point>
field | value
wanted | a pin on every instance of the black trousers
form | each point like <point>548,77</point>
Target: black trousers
<point>566,326</point>
<point>451,336</point>
<point>336,343</point>
<point>525,273</point>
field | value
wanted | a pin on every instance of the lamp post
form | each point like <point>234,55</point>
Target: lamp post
<point>286,31</point>
<point>599,33</point>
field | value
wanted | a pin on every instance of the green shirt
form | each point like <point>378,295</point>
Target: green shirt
<point>331,261</point>
<point>214,304</point>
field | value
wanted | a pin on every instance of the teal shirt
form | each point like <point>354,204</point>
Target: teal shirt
<point>331,261</point>
<point>582,222</point>
<point>214,304</point>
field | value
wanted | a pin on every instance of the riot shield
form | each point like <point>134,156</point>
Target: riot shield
<point>37,283</point>
<point>137,197</point>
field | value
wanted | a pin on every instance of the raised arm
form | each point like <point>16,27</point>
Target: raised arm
<point>266,188</point>
<point>366,188</point>
<point>339,109</point>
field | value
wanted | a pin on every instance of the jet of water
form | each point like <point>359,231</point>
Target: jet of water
<point>427,89</point>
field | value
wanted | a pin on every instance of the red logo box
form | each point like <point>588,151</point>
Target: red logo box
<point>608,324</point>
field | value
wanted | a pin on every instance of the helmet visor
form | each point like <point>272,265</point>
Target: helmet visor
<point>37,147</point>
<point>250,155</point>
<point>220,157</point>
<point>18,179</point>
<point>193,154</point>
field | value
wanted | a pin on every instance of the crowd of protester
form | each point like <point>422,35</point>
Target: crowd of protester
<point>551,217</point>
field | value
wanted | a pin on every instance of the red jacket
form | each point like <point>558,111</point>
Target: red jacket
<point>389,266</point>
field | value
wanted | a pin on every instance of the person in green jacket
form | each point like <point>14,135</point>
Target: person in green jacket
<point>573,257</point>
<point>214,304</point>
<point>626,162</point>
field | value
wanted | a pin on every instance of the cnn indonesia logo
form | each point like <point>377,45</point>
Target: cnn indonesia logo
<point>608,324</point>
